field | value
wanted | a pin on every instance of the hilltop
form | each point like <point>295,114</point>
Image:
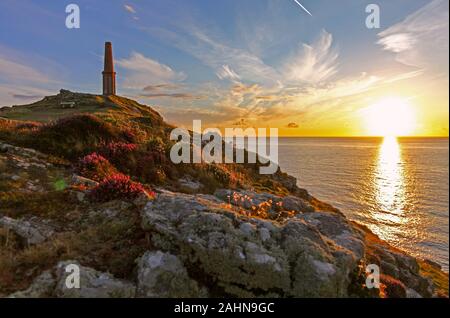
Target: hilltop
<point>93,184</point>
<point>57,106</point>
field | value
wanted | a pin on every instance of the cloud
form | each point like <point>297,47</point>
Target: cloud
<point>313,63</point>
<point>129,8</point>
<point>25,77</point>
<point>174,95</point>
<point>160,87</point>
<point>265,97</point>
<point>11,70</point>
<point>163,91</point>
<point>26,96</point>
<point>292,125</point>
<point>421,39</point>
<point>242,89</point>
<point>304,88</point>
<point>310,63</point>
<point>224,59</point>
<point>143,71</point>
<point>244,63</point>
<point>11,94</point>
<point>225,72</point>
<point>242,122</point>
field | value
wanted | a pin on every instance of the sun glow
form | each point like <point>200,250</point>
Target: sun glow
<point>390,117</point>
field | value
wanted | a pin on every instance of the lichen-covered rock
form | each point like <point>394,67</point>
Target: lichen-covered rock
<point>42,287</point>
<point>335,226</point>
<point>190,184</point>
<point>400,266</point>
<point>33,230</point>
<point>246,199</point>
<point>24,158</point>
<point>93,284</point>
<point>162,275</point>
<point>248,257</point>
<point>411,293</point>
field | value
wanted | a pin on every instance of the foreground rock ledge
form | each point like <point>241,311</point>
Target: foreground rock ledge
<point>314,254</point>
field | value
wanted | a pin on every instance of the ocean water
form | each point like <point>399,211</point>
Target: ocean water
<point>396,187</point>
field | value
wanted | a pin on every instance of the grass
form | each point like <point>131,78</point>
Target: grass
<point>109,246</point>
<point>48,109</point>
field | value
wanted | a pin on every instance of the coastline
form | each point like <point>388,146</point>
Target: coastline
<point>186,231</point>
<point>354,175</point>
<point>321,226</point>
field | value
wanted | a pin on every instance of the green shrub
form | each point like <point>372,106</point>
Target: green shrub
<point>74,136</point>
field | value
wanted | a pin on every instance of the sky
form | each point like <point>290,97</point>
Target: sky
<point>230,63</point>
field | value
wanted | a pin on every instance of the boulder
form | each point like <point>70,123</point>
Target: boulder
<point>400,266</point>
<point>42,287</point>
<point>190,184</point>
<point>93,284</point>
<point>162,275</point>
<point>248,257</point>
<point>334,226</point>
<point>34,231</point>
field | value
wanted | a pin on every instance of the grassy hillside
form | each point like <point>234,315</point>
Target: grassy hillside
<point>50,108</point>
<point>95,163</point>
<point>132,136</point>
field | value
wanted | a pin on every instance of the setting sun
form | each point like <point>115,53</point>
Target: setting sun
<point>392,116</point>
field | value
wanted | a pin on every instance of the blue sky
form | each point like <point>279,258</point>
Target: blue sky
<point>229,61</point>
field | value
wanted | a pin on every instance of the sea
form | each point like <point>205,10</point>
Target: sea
<point>398,187</point>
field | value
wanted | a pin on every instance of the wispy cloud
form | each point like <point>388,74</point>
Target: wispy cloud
<point>313,63</point>
<point>305,84</point>
<point>227,73</point>
<point>13,94</point>
<point>160,87</point>
<point>421,39</point>
<point>185,96</point>
<point>25,96</point>
<point>22,81</point>
<point>143,71</point>
<point>129,8</point>
<point>224,59</point>
<point>11,70</point>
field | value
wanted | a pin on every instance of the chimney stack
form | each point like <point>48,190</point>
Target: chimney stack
<point>109,76</point>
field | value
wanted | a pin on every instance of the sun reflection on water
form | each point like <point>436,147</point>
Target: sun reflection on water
<point>389,187</point>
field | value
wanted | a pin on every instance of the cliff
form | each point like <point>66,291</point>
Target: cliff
<point>93,185</point>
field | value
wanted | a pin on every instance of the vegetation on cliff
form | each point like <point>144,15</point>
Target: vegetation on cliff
<point>95,184</point>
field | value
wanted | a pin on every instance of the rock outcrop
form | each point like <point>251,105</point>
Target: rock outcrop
<point>41,287</point>
<point>93,284</point>
<point>33,231</point>
<point>249,257</point>
<point>313,254</point>
<point>240,243</point>
<point>162,275</point>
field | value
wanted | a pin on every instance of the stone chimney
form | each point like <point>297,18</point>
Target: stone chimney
<point>109,76</point>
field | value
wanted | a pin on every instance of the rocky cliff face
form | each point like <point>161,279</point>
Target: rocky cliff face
<point>230,243</point>
<point>98,190</point>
